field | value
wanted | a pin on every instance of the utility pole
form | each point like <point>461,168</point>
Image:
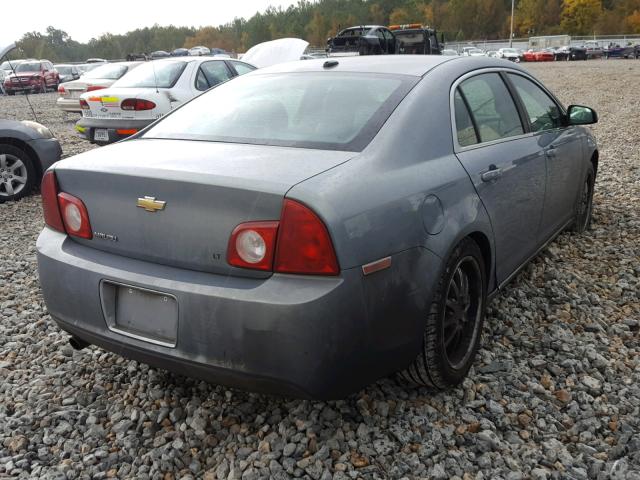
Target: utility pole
<point>511,34</point>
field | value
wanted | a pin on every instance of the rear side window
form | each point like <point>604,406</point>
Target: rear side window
<point>464,125</point>
<point>542,111</point>
<point>491,107</point>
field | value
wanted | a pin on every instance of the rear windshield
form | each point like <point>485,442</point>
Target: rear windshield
<point>158,74</point>
<point>109,72</point>
<point>28,67</point>
<point>411,37</point>
<point>333,111</point>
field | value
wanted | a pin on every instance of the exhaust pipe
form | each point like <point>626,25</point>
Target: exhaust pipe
<point>77,343</point>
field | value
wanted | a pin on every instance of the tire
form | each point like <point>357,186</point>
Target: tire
<point>584,204</point>
<point>17,173</point>
<point>440,365</point>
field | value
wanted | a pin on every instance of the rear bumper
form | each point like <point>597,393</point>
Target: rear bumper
<point>86,127</point>
<point>69,104</point>
<point>301,336</point>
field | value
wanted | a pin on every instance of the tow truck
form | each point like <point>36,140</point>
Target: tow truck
<point>415,38</point>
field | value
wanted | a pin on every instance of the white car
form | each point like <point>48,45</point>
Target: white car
<point>100,77</point>
<point>473,52</point>
<point>199,50</point>
<point>509,54</point>
<point>149,92</point>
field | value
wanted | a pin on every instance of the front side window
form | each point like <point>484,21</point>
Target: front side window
<point>491,107</point>
<point>333,111</point>
<point>542,111</point>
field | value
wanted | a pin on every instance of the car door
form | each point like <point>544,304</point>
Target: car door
<point>505,164</point>
<point>563,151</point>
<point>390,40</point>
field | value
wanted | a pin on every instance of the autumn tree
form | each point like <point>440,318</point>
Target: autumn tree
<point>580,16</point>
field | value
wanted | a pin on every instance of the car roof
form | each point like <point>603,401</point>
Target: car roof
<point>415,65</point>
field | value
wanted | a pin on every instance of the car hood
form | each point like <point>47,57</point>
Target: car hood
<point>276,51</point>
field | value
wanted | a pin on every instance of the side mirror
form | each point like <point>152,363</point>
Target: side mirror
<point>579,115</point>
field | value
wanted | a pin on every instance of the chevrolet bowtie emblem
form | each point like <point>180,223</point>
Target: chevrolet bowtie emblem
<point>150,204</point>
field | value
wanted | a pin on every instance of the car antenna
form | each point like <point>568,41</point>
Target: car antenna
<point>33,112</point>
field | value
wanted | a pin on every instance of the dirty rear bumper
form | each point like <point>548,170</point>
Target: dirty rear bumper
<point>301,336</point>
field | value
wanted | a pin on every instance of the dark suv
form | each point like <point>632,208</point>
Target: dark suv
<point>365,40</point>
<point>33,76</point>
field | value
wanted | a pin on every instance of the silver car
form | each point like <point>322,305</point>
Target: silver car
<point>103,76</point>
<point>310,227</point>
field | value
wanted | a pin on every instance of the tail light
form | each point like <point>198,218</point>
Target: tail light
<point>74,216</point>
<point>83,104</point>
<point>298,243</point>
<point>137,104</point>
<point>252,245</point>
<point>304,245</point>
<point>92,88</point>
<point>62,211</point>
<point>49,191</point>
<point>62,91</point>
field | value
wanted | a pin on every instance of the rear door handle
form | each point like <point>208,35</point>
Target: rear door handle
<point>493,174</point>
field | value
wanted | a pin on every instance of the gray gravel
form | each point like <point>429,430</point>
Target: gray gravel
<point>554,393</point>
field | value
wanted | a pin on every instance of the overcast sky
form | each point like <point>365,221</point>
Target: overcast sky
<point>83,20</point>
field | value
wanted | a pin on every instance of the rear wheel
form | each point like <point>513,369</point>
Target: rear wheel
<point>17,174</point>
<point>454,321</point>
<point>584,207</point>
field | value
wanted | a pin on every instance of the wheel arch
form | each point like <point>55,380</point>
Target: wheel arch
<point>26,148</point>
<point>594,161</point>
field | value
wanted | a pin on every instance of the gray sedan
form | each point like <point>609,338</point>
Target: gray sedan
<point>310,227</point>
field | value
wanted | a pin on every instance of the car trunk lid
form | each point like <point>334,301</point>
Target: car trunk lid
<point>208,189</point>
<point>107,103</point>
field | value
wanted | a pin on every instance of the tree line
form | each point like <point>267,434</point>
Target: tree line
<point>315,21</point>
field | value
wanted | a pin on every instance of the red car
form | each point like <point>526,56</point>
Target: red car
<point>539,56</point>
<point>33,76</point>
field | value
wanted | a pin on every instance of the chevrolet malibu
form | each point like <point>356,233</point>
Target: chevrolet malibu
<point>313,226</point>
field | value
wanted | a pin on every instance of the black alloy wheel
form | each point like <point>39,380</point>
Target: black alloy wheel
<point>454,322</point>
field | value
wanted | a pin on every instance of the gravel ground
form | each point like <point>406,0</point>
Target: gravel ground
<point>554,393</point>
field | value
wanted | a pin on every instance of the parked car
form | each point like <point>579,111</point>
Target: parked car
<point>415,38</point>
<point>492,53</point>
<point>34,76</point>
<point>149,92</point>
<point>473,52</point>
<point>593,49</point>
<point>617,51</point>
<point>364,40</point>
<point>180,52</point>
<point>449,52</point>
<point>6,68</point>
<point>67,72</point>
<point>197,51</point>
<point>508,54</point>
<point>159,54</point>
<point>97,79</point>
<point>545,55</point>
<point>280,244</point>
<point>27,149</point>
<point>570,53</point>
<point>86,67</point>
